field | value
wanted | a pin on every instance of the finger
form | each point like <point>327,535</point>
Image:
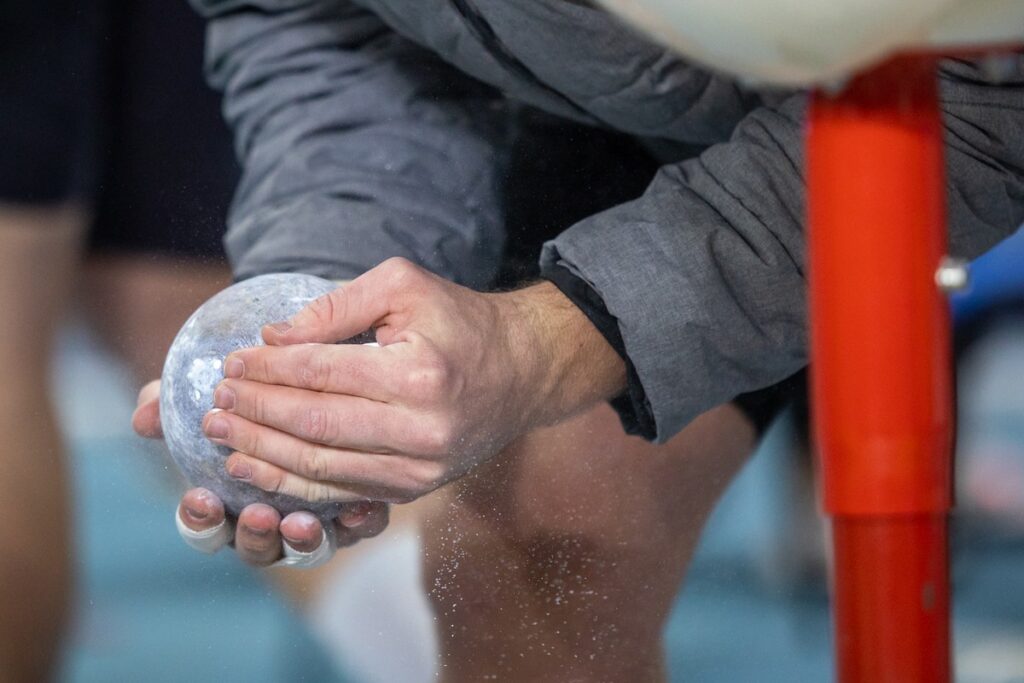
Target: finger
<point>355,369</point>
<point>352,527</point>
<point>201,522</point>
<point>368,524</point>
<point>302,531</point>
<point>358,472</point>
<point>272,478</point>
<point>347,311</point>
<point>354,515</point>
<point>328,419</point>
<point>321,552</point>
<point>149,392</point>
<point>200,509</point>
<point>258,539</point>
<point>146,418</point>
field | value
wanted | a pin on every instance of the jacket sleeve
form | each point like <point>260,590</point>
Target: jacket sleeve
<point>705,272</point>
<point>356,145</point>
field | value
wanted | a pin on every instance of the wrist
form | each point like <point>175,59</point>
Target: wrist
<point>564,365</point>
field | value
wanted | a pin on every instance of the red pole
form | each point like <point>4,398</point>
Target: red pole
<point>881,373</point>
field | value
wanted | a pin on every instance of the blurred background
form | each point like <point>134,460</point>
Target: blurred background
<point>115,176</point>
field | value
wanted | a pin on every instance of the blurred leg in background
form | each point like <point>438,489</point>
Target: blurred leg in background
<point>101,114</point>
<point>39,249</point>
<point>47,81</point>
<point>166,179</point>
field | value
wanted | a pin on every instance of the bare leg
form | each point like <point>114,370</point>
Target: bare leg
<point>38,258</point>
<point>562,559</point>
<point>138,302</point>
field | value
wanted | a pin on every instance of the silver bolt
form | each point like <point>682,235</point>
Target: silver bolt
<point>953,275</point>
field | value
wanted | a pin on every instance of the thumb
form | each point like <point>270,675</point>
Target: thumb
<point>344,313</point>
<point>146,418</point>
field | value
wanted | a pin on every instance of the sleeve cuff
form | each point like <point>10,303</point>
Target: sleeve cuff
<point>632,405</point>
<point>761,407</point>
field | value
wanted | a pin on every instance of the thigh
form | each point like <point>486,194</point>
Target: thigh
<point>39,250</point>
<point>563,557</point>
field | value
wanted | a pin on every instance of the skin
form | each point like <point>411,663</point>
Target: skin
<point>609,507</point>
<point>443,393</point>
<point>560,559</point>
<point>119,289</point>
<point>458,377</point>
<point>260,529</point>
<point>39,250</point>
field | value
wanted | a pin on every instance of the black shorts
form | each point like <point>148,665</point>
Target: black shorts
<point>104,101</point>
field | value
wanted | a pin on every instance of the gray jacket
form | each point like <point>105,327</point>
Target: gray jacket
<point>375,128</point>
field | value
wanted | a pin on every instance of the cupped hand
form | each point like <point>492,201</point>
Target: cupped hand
<point>457,376</point>
<point>260,531</point>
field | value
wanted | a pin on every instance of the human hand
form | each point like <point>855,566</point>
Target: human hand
<point>261,537</point>
<point>458,375</point>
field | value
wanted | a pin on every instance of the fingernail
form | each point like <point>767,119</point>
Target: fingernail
<point>234,368</point>
<point>281,328</point>
<point>217,428</point>
<point>240,470</point>
<point>293,541</point>
<point>302,544</point>
<point>196,514</point>
<point>355,515</point>
<point>224,398</point>
<point>256,532</point>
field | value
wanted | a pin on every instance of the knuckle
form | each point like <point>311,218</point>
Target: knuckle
<point>420,480</point>
<point>437,438</point>
<point>427,380</point>
<point>313,372</point>
<point>315,493</point>
<point>318,424</point>
<point>259,407</point>
<point>324,308</point>
<point>263,366</point>
<point>401,272</point>
<point>315,465</point>
<point>250,441</point>
<point>397,265</point>
<point>274,482</point>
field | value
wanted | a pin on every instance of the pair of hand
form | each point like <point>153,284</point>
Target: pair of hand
<point>457,376</point>
<point>260,531</point>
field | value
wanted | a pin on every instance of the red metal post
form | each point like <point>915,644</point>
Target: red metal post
<point>881,370</point>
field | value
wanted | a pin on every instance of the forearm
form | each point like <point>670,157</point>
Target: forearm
<point>703,273</point>
<point>568,364</point>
